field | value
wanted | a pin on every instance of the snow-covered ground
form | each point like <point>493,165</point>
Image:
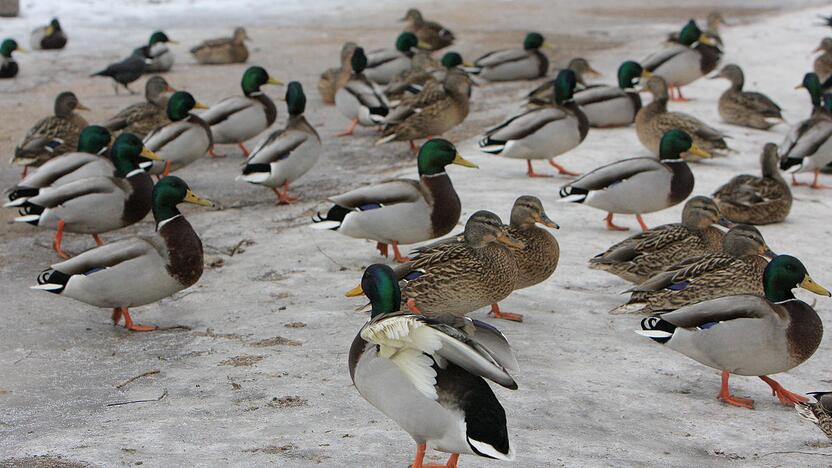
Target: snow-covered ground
<point>261,377</point>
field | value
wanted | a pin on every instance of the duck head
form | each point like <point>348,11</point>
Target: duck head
<point>675,142</point>
<point>295,98</point>
<point>169,192</point>
<point>630,74</point>
<point>180,104</point>
<point>783,274</point>
<point>93,139</point>
<point>128,151</point>
<point>254,78</point>
<point>380,286</point>
<point>527,211</point>
<point>485,227</point>
<point>437,153</point>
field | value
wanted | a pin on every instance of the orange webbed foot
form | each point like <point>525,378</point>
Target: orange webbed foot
<point>786,397</point>
<point>497,313</point>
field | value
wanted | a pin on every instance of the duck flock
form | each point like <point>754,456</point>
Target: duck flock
<point>709,286</point>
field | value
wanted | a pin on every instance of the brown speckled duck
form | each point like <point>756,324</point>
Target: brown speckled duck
<point>819,413</point>
<point>53,135</point>
<point>434,35</point>
<point>141,118</point>
<point>745,108</point>
<point>223,50</point>
<point>335,78</point>
<point>823,63</point>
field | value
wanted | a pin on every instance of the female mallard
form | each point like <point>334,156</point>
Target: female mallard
<point>93,205</point>
<point>429,378</point>
<point>223,50</point>
<point>545,92</point>
<point>402,211</point>
<point>89,161</point>
<point>236,119</point>
<point>432,34</point>
<point>334,79</point>
<point>184,140</point>
<point>757,200</point>
<point>53,135</point>
<point>745,108</point>
<point>653,120</point>
<point>542,132</point>
<point>822,65</point>
<point>287,154</point>
<point>611,106</point>
<point>385,64</point>
<point>647,253</point>
<point>819,413</point>
<point>49,37</point>
<point>695,56</point>
<point>140,269</point>
<point>527,63</point>
<point>361,100</point>
<point>8,65</point>
<point>748,335</point>
<point>738,269</point>
<point>638,185</point>
<point>141,118</point>
<point>158,58</point>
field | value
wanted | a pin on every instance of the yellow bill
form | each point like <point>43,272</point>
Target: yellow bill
<point>356,291</point>
<point>460,161</point>
<point>191,197</point>
<point>697,151</point>
<point>150,154</point>
<point>274,81</point>
<point>200,105</point>
<point>809,284</point>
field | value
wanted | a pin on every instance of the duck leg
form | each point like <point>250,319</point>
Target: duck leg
<point>612,226</point>
<point>120,312</point>
<point>350,130</point>
<point>246,152</point>
<point>815,184</point>
<point>166,172</point>
<point>397,256</point>
<point>786,397</point>
<point>641,223</point>
<point>497,313</point>
<point>283,197</point>
<point>25,171</point>
<point>214,154</point>
<point>382,249</point>
<point>419,461</point>
<point>413,147</point>
<point>562,170</point>
<point>59,235</point>
<point>530,171</point>
<point>678,97</point>
<point>725,394</point>
<point>98,240</point>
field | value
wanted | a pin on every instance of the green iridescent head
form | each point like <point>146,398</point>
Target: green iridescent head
<point>451,60</point>
<point>158,37</point>
<point>93,139</point>
<point>180,104</point>
<point>126,152</point>
<point>675,142</point>
<point>358,60</point>
<point>629,74</point>
<point>783,274</point>
<point>406,41</point>
<point>533,40</point>
<point>169,192</point>
<point>565,84</point>
<point>812,84</point>
<point>437,153</point>
<point>254,78</point>
<point>8,46</point>
<point>380,286</point>
<point>690,33</point>
<point>295,99</point>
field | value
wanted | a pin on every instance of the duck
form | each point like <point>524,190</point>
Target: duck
<point>236,119</point>
<point>807,147</point>
<point>49,37</point>
<point>425,72</point>
<point>738,269</point>
<point>433,35</point>
<point>223,50</point>
<point>184,140</point>
<point>695,56</point>
<point>545,92</point>
<point>93,205</point>
<point>653,120</point>
<point>750,199</point>
<point>361,100</point>
<point>126,71</point>
<point>543,132</point>
<point>383,65</point>
<point>527,63</point>
<point>138,270</point>
<point>822,65</point>
<point>613,106</point>
<point>638,185</point>
<point>647,253</point>
<point>429,378</point>
<point>142,117</point>
<point>746,334</point>
<point>819,412</point>
<point>286,154</point>
<point>335,78</point>
<point>8,65</point>
<point>53,135</point>
<point>745,108</point>
<point>401,211</point>
<point>157,56</point>
<point>713,22</point>
<point>89,160</point>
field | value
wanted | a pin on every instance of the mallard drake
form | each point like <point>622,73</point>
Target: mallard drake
<point>432,34</point>
<point>545,92</point>
<point>641,256</point>
<point>287,154</point>
<point>334,79</point>
<point>738,269</point>
<point>613,106</point>
<point>93,205</point>
<point>429,378</point>
<point>713,23</point>
<point>142,117</point>
<point>638,185</point>
<point>237,119</point>
<point>158,58</point>
<point>126,71</point>
<point>822,65</point>
<point>8,65</point>
<point>542,132</point>
<point>819,413</point>
<point>695,56</point>
<point>527,63</point>
<point>361,100</point>
<point>49,37</point>
<point>750,199</point>
<point>138,270</point>
<point>748,335</point>
<point>745,108</point>
<point>223,50</point>
<point>653,120</point>
<point>89,161</point>
<point>184,140</point>
<point>402,211</point>
<point>53,135</point>
<point>424,70</point>
<point>807,146</point>
<point>385,64</point>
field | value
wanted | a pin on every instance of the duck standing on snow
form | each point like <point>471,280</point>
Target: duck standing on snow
<point>528,63</point>
<point>138,270</point>
<point>748,335</point>
<point>385,64</point>
<point>157,56</point>
<point>431,33</point>
<point>542,132</point>
<point>223,50</point>
<point>8,65</point>
<point>545,92</point>
<point>613,106</point>
<point>141,118</point>
<point>184,140</point>
<point>361,100</point>
<point>638,185</point>
<point>335,78</point>
<point>49,37</point>
<point>236,119</point>
<point>695,56</point>
<point>402,211</point>
<point>429,378</point>
<point>745,108</point>
<point>287,154</point>
<point>808,145</point>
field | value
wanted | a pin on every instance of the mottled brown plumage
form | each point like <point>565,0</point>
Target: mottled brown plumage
<point>823,63</point>
<point>819,413</point>
<point>53,135</point>
<point>141,118</point>
<point>745,108</point>
<point>538,259</point>
<point>429,32</point>
<point>223,50</point>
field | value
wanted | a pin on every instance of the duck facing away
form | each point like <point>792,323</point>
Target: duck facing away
<point>748,335</point>
<point>142,117</point>
<point>335,78</point>
<point>184,140</point>
<point>432,34</point>
<point>819,412</point>
<point>223,50</point>
<point>528,63</point>
<point>49,37</point>
<point>361,100</point>
<point>430,378</point>
<point>745,108</point>
<point>8,65</point>
<point>138,270</point>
